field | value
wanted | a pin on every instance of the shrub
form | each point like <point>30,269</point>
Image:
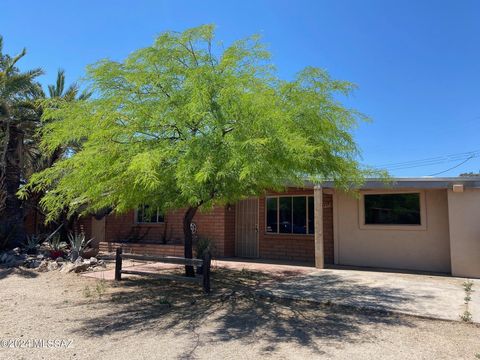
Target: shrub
<point>203,246</point>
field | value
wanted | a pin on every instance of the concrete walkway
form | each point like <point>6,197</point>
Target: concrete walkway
<point>438,297</point>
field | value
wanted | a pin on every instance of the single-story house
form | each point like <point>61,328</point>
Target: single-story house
<point>422,224</point>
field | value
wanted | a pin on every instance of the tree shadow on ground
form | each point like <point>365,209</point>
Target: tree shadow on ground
<point>26,273</point>
<point>233,311</point>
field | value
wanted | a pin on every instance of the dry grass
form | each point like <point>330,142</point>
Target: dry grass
<point>140,318</point>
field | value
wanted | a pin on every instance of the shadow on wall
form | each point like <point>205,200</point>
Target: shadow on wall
<point>232,312</point>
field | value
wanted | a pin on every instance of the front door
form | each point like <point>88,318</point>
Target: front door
<point>98,230</point>
<point>246,228</point>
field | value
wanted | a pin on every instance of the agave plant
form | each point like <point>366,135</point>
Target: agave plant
<point>31,243</point>
<point>56,243</point>
<point>54,240</point>
<point>78,243</point>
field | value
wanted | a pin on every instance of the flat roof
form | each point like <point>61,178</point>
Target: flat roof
<point>416,182</point>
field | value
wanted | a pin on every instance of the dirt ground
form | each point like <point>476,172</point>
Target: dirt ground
<point>153,319</point>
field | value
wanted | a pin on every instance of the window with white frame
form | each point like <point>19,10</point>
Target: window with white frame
<point>290,214</point>
<point>145,215</point>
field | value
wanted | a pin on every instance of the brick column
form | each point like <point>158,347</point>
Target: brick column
<point>317,194</point>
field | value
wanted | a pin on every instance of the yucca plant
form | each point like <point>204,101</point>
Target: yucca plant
<point>78,243</point>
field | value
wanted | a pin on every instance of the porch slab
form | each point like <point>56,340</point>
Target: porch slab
<point>427,296</point>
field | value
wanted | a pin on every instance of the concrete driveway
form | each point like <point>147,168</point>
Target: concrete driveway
<point>429,296</point>
<point>439,297</point>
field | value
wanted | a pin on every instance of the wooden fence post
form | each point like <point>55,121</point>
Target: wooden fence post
<point>207,260</point>
<point>118,264</point>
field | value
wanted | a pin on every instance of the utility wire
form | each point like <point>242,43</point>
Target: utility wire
<point>431,161</point>
<point>454,167</point>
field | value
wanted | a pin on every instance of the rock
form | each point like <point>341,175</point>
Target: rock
<point>67,267</point>
<point>40,256</point>
<point>17,250</point>
<point>43,266</point>
<point>93,261</point>
<point>59,259</point>
<point>53,265</point>
<point>34,264</point>
<point>102,263</point>
<point>79,268</point>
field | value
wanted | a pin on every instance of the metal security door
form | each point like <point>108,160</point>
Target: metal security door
<point>246,228</point>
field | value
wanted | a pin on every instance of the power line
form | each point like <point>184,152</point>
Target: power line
<point>431,161</point>
<point>454,167</point>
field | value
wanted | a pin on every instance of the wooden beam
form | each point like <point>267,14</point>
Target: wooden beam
<point>197,279</point>
<point>318,214</point>
<point>164,259</point>
<point>118,264</point>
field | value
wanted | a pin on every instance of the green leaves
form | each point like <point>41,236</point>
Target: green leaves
<point>182,123</point>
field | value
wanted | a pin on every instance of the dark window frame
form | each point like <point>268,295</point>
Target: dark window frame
<point>418,210</point>
<point>160,218</point>
<point>277,198</point>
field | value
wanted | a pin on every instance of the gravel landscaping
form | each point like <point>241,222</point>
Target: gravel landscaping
<point>151,319</point>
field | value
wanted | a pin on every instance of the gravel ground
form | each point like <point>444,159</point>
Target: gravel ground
<point>148,319</point>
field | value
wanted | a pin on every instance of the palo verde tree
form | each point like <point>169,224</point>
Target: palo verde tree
<point>187,124</point>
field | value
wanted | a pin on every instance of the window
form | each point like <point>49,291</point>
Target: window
<point>272,224</point>
<point>290,215</point>
<point>146,215</point>
<point>392,209</point>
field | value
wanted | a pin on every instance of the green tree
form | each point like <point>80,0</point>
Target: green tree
<point>41,160</point>
<point>18,119</point>
<point>184,124</point>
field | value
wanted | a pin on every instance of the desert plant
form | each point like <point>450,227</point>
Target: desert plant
<point>56,243</point>
<point>203,246</point>
<point>86,292</point>
<point>78,243</point>
<point>31,243</point>
<point>100,288</point>
<point>466,316</point>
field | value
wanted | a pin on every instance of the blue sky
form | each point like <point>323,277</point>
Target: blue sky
<point>417,63</point>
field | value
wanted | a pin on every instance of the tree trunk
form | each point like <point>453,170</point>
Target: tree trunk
<point>187,232</point>
<point>12,228</point>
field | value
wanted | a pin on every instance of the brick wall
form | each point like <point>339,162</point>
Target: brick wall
<point>296,247</point>
<point>210,224</point>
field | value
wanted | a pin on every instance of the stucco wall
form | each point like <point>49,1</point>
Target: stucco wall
<point>427,249</point>
<point>464,215</point>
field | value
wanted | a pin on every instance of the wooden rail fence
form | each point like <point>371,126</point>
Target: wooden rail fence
<point>205,263</point>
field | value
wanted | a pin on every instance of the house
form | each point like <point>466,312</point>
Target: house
<point>422,224</point>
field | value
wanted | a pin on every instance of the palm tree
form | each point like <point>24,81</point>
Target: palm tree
<point>39,160</point>
<point>18,118</point>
